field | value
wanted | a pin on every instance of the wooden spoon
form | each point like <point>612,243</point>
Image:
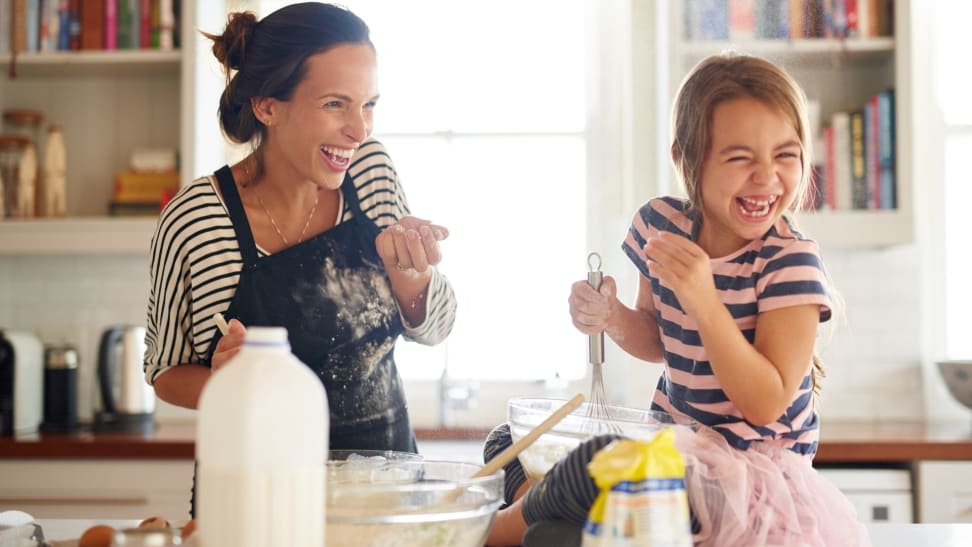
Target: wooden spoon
<point>514,449</point>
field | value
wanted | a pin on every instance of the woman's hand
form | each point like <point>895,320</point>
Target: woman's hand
<point>590,309</point>
<point>685,267</point>
<point>410,244</point>
<point>229,345</point>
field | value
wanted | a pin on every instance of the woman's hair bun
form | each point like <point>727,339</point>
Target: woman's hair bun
<point>230,48</point>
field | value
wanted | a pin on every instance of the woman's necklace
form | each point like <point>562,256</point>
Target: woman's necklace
<point>317,196</point>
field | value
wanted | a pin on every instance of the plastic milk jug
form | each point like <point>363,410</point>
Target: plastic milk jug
<point>261,447</point>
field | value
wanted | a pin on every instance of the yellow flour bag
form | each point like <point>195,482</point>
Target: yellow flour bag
<point>642,501</point>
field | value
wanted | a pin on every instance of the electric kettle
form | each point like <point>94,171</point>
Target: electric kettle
<point>125,402</point>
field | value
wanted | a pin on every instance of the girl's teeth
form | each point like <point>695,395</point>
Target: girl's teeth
<point>756,207</point>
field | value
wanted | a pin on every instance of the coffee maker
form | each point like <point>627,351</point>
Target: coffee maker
<point>21,381</point>
<point>126,403</point>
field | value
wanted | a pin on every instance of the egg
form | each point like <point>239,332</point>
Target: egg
<point>188,529</point>
<point>155,522</point>
<point>99,535</point>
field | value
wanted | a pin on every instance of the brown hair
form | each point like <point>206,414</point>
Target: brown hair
<point>724,77</point>
<point>267,58</point>
<point>720,78</point>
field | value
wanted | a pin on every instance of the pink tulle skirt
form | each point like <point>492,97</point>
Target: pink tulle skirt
<point>761,497</point>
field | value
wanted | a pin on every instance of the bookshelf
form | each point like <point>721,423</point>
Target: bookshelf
<point>840,74</point>
<point>109,102</point>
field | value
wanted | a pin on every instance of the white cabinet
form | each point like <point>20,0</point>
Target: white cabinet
<point>840,75</point>
<point>878,495</point>
<point>109,102</point>
<point>97,489</point>
<point>944,491</point>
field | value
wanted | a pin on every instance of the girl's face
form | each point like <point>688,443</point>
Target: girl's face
<point>750,175</point>
<point>329,115</point>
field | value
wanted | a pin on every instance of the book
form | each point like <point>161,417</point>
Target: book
<point>145,24</point>
<point>124,26</point>
<point>830,175</point>
<point>871,161</point>
<point>859,198</point>
<point>18,22</point>
<point>843,183</point>
<point>111,24</point>
<point>772,19</point>
<point>886,152</point>
<point>144,187</point>
<point>742,19</point>
<point>92,24</point>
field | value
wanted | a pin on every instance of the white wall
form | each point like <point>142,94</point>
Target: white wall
<point>873,360</point>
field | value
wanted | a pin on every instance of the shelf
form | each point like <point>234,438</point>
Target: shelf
<point>92,63</point>
<point>857,229</point>
<point>78,235</point>
<point>821,50</point>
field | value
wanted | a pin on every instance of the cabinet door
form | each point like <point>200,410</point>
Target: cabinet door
<point>102,489</point>
<point>945,491</point>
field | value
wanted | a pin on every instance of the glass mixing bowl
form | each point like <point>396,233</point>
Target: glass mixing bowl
<point>409,502</point>
<point>525,413</point>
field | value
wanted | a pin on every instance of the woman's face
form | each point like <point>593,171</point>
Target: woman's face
<point>750,175</point>
<point>329,115</point>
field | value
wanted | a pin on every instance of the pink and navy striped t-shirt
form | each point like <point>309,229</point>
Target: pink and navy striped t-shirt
<point>779,270</point>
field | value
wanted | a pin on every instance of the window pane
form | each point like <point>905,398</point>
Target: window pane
<point>498,66</point>
<point>953,45</point>
<point>958,258</point>
<point>515,210</point>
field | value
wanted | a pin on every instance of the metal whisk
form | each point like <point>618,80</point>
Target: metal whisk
<point>597,406</point>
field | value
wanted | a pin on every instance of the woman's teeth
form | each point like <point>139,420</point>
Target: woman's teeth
<point>756,208</point>
<point>339,156</point>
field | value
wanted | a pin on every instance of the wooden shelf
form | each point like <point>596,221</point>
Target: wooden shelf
<point>92,63</point>
<point>810,50</point>
<point>857,229</point>
<point>78,235</point>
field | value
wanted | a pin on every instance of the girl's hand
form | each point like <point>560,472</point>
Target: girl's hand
<point>590,310</point>
<point>229,345</point>
<point>410,244</point>
<point>683,266</point>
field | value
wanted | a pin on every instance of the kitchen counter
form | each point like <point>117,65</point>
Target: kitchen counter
<point>882,535</point>
<point>841,442</point>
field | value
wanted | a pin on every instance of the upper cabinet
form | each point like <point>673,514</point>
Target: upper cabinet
<point>108,103</point>
<point>849,57</point>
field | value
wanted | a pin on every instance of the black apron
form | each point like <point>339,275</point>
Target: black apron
<point>333,296</point>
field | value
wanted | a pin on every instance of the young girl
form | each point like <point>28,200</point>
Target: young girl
<point>730,297</point>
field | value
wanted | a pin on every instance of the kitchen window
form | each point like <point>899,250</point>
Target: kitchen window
<point>505,121</point>
<point>952,87</point>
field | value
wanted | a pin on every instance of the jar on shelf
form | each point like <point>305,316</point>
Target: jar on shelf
<point>23,122</point>
<point>12,153</point>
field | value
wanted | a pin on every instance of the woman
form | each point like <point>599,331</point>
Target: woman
<point>311,231</point>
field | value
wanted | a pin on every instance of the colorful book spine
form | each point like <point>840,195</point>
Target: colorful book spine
<point>145,24</point>
<point>858,171</point>
<point>33,25</point>
<point>886,154</point>
<point>871,154</point>
<point>124,24</point>
<point>111,24</point>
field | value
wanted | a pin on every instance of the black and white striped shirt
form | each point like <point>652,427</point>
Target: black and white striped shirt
<point>196,263</point>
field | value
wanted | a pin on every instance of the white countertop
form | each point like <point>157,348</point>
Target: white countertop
<point>882,535</point>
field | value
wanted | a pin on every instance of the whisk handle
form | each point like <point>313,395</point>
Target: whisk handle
<point>595,342</point>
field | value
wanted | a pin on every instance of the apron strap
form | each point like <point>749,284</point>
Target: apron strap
<point>351,195</point>
<point>234,205</point>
